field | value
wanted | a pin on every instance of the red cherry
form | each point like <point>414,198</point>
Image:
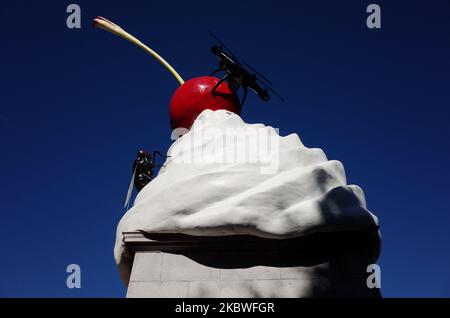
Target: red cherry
<point>195,95</point>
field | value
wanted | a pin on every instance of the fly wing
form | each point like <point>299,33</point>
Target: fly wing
<point>130,191</point>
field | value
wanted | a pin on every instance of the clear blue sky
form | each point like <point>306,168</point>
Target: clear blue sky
<point>76,105</point>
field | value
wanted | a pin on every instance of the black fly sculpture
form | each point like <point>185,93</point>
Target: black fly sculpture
<point>143,168</point>
<point>143,171</point>
<point>239,74</point>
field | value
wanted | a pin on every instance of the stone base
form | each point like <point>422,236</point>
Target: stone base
<point>321,265</point>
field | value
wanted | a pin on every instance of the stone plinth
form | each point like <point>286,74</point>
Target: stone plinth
<point>320,265</point>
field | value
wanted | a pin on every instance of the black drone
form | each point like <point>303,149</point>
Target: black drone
<point>239,74</point>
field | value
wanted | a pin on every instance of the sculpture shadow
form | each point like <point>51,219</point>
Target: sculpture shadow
<point>242,251</point>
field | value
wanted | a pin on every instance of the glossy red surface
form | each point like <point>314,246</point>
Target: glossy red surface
<point>194,96</point>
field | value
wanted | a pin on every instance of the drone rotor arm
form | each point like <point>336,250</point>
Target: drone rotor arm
<point>219,82</point>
